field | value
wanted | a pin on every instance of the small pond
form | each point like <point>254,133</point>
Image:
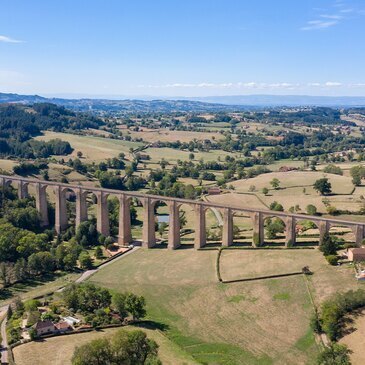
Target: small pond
<point>163,218</point>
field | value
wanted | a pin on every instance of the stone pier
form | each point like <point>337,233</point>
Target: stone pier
<point>102,223</point>
<point>81,207</point>
<point>41,203</point>
<point>290,234</point>
<point>227,231</point>
<point>258,237</point>
<point>174,226</point>
<point>200,230</point>
<point>125,234</point>
<point>148,231</point>
<point>23,190</point>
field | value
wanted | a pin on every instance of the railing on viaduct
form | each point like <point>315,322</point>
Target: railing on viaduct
<point>148,202</point>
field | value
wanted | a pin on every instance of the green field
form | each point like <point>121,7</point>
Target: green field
<point>257,322</point>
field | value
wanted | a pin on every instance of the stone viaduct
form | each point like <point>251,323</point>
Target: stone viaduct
<point>148,203</point>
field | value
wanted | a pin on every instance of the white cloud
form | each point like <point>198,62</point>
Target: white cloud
<point>258,86</point>
<point>332,84</point>
<point>6,39</point>
<point>326,18</point>
<point>332,16</point>
<point>346,11</point>
<point>360,84</point>
<point>319,24</point>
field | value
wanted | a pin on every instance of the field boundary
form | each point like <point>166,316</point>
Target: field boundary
<point>264,277</point>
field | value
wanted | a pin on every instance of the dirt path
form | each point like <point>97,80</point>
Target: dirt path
<point>4,343</point>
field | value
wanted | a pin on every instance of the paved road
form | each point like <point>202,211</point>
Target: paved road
<point>4,343</point>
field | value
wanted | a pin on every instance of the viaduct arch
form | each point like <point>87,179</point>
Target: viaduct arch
<point>148,202</point>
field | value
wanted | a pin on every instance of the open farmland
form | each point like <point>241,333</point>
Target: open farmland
<point>93,148</point>
<point>258,322</point>
<point>59,350</point>
<point>296,188</point>
<point>166,135</point>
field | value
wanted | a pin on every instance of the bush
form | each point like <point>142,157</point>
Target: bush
<point>332,259</point>
<point>86,262</point>
<point>335,354</point>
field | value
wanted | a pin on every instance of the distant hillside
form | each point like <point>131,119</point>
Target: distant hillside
<point>123,106</point>
<point>188,104</point>
<point>285,100</point>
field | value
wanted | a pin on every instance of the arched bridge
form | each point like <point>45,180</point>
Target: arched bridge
<point>148,203</point>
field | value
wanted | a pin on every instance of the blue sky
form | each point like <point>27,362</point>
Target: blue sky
<point>182,47</point>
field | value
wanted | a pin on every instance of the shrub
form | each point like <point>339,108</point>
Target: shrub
<point>332,259</point>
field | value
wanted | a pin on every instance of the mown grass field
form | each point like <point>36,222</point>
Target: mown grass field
<point>59,350</point>
<point>296,188</point>
<point>166,135</point>
<point>93,148</point>
<point>258,322</point>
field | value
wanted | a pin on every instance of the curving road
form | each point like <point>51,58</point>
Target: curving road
<point>4,343</point>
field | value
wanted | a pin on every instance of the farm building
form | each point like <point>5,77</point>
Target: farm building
<point>214,191</point>
<point>63,327</point>
<point>356,254</point>
<point>44,327</point>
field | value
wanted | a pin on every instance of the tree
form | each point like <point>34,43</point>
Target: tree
<point>124,347</point>
<point>357,173</point>
<point>328,245</point>
<point>86,297</point>
<point>86,262</point>
<point>276,206</point>
<point>119,302</point>
<point>265,191</point>
<point>41,262</point>
<point>191,156</point>
<point>335,354</point>
<point>275,183</point>
<point>98,253</point>
<point>96,352</point>
<point>323,186</point>
<point>135,305</point>
<point>161,228</point>
<point>274,227</point>
<point>79,154</point>
<point>311,209</point>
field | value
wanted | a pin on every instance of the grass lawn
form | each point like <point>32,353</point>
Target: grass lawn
<point>59,350</point>
<point>260,322</point>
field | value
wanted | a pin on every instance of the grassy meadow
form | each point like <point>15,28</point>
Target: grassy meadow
<point>257,322</point>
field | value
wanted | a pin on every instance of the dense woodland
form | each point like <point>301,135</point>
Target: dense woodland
<point>19,123</point>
